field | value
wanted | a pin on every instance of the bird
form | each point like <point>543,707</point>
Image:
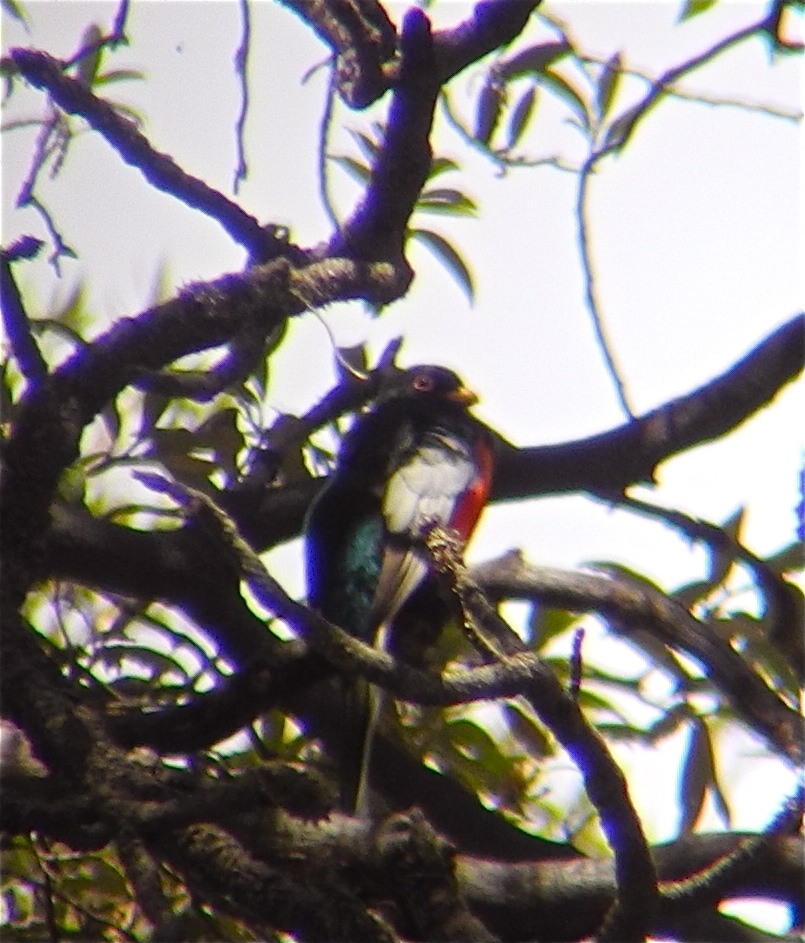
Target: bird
<point>416,458</point>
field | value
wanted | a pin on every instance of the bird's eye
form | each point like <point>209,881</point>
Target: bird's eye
<point>422,383</point>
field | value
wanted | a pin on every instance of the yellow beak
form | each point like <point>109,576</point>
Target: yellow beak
<point>463,395</point>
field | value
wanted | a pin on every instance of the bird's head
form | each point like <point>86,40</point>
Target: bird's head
<point>428,384</point>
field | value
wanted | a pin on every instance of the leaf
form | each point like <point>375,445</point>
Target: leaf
<point>448,257</point>
<point>722,557</point>
<point>528,733</point>
<point>698,775</point>
<point>41,326</point>
<point>608,83</point>
<point>668,723</point>
<point>695,777</point>
<point>440,165</point>
<point>693,8</point>
<point>521,115</point>
<point>627,574</point>
<point>73,313</point>
<point>110,416</point>
<point>16,12</point>
<point>566,93</point>
<point>155,664</point>
<point>618,132</point>
<point>545,623</point>
<point>72,483</point>
<point>533,59</point>
<point>487,112</point>
<point>354,168</point>
<point>446,200</point>
<point>118,75</point>
<point>87,66</point>
<point>690,593</point>
<point>369,147</point>
<point>132,114</point>
<point>766,657</point>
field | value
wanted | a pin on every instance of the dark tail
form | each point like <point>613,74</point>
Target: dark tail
<point>362,704</point>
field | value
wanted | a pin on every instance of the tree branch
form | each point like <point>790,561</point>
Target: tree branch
<point>609,463</point>
<point>160,170</point>
<point>636,608</point>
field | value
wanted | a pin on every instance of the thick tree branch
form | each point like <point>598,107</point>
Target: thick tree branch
<point>605,464</point>
<point>635,608</point>
<point>160,170</point>
<point>50,420</point>
<point>363,41</point>
<point>377,227</point>
<point>532,900</point>
<point>536,899</point>
<point>612,461</point>
<point>604,782</point>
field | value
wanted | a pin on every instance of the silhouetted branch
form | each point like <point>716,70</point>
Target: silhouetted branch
<point>161,170</point>
<point>376,229</point>
<point>780,600</point>
<point>609,463</point>
<point>15,320</point>
<point>244,353</point>
<point>636,608</point>
<point>363,40</point>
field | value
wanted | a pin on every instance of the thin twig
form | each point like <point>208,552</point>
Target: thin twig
<point>241,69</point>
<point>324,132</point>
<point>18,326</point>
<point>588,270</point>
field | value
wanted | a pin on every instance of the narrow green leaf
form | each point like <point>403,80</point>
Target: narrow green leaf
<point>722,557</point>
<point>132,114</point>
<point>697,775</point>
<point>487,112</point>
<point>87,66</point>
<point>608,83</point>
<point>625,573</point>
<point>368,147</point>
<point>562,89</point>
<point>545,623</point>
<point>690,593</point>
<point>521,116</point>
<point>118,75</point>
<point>41,326</point>
<point>110,416</point>
<point>449,258</point>
<point>620,129</point>
<point>354,168</point>
<point>692,8</point>
<point>669,723</point>
<point>16,11</point>
<point>440,165</point>
<point>527,731</point>
<point>533,59</point>
<point>445,200</point>
<point>477,745</point>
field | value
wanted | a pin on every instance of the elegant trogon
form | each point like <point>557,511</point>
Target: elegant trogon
<point>417,457</point>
